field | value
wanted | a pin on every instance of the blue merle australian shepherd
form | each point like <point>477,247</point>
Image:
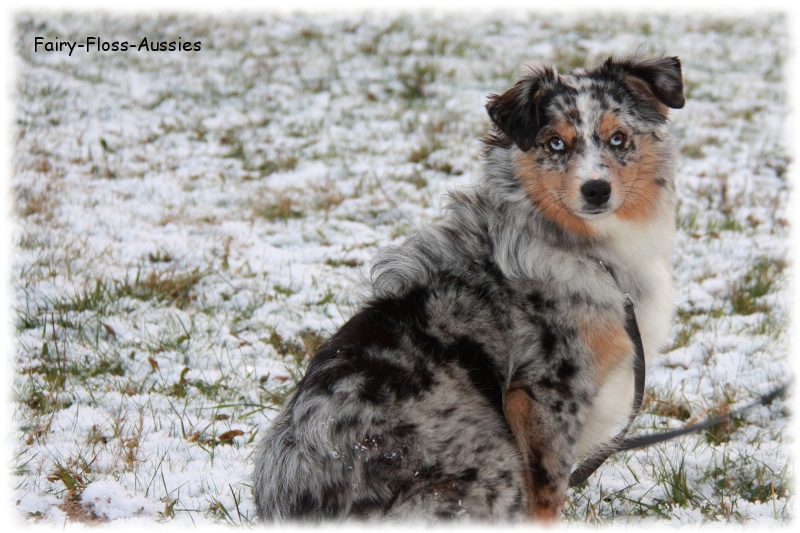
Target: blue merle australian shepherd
<point>493,351</point>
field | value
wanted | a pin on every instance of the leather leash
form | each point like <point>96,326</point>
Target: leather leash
<point>619,442</point>
<point>641,441</point>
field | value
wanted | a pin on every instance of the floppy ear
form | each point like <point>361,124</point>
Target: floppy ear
<point>657,79</point>
<point>517,112</point>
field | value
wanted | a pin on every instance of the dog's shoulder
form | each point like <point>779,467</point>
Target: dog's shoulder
<point>453,246</point>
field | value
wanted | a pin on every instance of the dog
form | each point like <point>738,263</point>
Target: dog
<point>492,352</point>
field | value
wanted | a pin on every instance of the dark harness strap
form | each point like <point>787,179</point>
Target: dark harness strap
<point>593,462</point>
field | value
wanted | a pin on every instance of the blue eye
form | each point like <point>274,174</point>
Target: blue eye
<point>617,140</point>
<point>556,144</point>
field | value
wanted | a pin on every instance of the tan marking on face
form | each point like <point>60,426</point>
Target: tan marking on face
<point>544,188</point>
<point>608,125</point>
<point>639,188</point>
<point>608,342</point>
<point>566,132</point>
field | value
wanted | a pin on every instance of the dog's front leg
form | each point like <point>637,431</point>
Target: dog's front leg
<point>546,439</point>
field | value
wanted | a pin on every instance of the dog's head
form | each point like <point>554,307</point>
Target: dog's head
<point>591,143</point>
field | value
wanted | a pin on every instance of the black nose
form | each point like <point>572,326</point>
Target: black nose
<point>596,192</point>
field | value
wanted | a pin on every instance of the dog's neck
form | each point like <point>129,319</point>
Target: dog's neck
<point>635,246</point>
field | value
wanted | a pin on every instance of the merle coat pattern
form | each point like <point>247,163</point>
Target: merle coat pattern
<point>492,352</point>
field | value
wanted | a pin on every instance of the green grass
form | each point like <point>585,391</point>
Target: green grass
<point>281,207</point>
<point>416,79</point>
<point>758,282</point>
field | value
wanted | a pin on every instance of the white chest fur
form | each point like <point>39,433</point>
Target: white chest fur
<point>642,249</point>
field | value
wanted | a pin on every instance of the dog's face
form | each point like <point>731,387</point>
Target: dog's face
<point>590,142</point>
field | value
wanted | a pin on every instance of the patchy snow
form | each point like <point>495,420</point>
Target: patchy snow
<point>111,500</point>
<point>191,225</point>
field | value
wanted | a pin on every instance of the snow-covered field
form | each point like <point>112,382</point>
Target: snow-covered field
<point>191,225</point>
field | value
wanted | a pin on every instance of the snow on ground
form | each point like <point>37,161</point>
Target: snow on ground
<point>191,225</point>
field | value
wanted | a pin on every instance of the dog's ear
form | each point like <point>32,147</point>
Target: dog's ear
<point>657,79</point>
<point>517,112</point>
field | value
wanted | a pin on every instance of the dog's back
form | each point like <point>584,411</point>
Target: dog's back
<point>400,414</point>
<point>494,350</point>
